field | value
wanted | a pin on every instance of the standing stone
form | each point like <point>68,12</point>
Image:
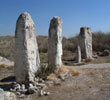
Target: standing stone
<point>85,42</point>
<point>78,54</point>
<point>27,60</point>
<point>55,45</point>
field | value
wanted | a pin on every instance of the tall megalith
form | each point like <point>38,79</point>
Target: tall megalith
<point>85,42</point>
<point>27,60</point>
<point>55,44</point>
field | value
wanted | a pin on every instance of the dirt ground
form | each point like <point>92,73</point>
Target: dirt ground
<point>93,83</point>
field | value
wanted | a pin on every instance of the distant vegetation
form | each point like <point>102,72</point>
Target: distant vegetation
<point>101,41</point>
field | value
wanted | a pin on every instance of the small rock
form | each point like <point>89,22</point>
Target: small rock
<point>99,53</point>
<point>22,96</point>
<point>12,90</point>
<point>32,90</point>
<point>22,87</point>
<point>9,96</point>
<point>18,93</point>
<point>49,83</point>
<point>41,85</point>
<point>22,91</point>
<point>57,82</point>
<point>46,93</point>
<point>43,93</point>
<point>95,56</point>
<point>31,85</point>
<point>106,53</point>
<point>1,94</point>
<point>36,79</point>
<point>41,80</point>
<point>18,87</point>
<point>62,77</point>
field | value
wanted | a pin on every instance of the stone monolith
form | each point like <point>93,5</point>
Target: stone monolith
<point>27,60</point>
<point>55,44</point>
<point>78,54</point>
<point>85,42</point>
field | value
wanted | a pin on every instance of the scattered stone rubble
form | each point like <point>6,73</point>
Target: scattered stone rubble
<point>39,85</point>
<point>104,53</point>
<point>29,88</point>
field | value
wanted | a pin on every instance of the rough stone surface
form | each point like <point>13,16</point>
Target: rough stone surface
<point>55,44</point>
<point>106,53</point>
<point>1,94</point>
<point>78,54</point>
<point>6,61</point>
<point>7,95</point>
<point>85,42</point>
<point>27,60</point>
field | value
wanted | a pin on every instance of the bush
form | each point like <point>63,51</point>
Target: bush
<point>42,44</point>
<point>101,41</point>
<point>70,44</point>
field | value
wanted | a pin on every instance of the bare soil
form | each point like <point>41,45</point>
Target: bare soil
<point>93,83</point>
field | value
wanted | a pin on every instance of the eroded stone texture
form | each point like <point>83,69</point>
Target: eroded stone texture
<point>78,54</point>
<point>85,42</point>
<point>55,44</point>
<point>27,60</point>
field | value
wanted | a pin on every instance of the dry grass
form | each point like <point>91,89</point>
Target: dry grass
<point>52,76</point>
<point>88,60</point>
<point>10,67</point>
<point>65,69</point>
<point>3,66</point>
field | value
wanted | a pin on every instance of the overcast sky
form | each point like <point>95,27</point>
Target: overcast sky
<point>74,14</point>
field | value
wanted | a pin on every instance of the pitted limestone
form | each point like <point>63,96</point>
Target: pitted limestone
<point>27,60</point>
<point>55,44</point>
<point>85,42</point>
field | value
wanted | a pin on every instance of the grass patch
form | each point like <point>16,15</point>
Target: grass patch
<point>65,69</point>
<point>88,60</point>
<point>52,76</point>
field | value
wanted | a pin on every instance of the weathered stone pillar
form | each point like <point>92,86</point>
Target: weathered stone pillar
<point>55,44</point>
<point>78,54</point>
<point>85,42</point>
<point>27,60</point>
